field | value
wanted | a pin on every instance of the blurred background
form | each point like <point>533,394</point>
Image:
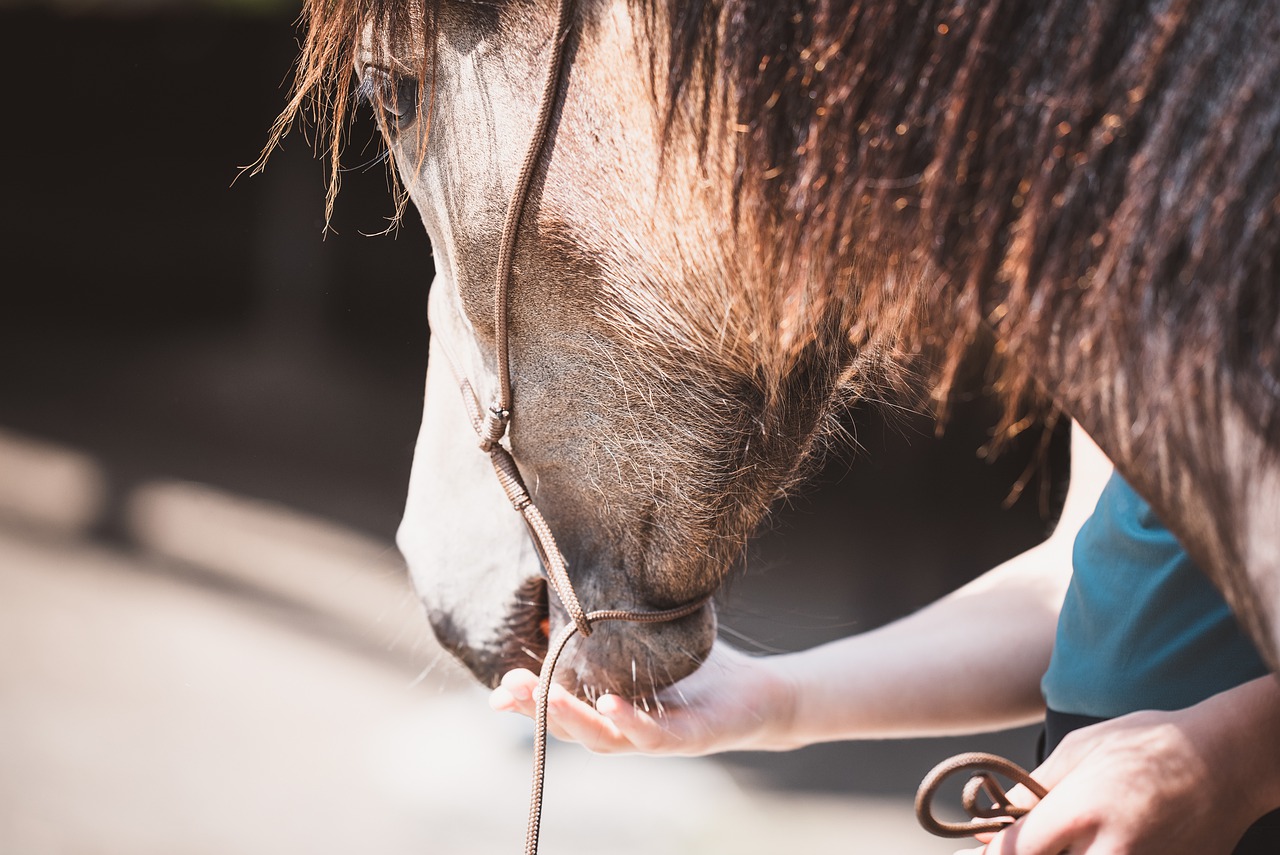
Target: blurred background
<point>207,412</point>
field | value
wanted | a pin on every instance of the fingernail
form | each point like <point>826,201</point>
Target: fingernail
<point>501,700</point>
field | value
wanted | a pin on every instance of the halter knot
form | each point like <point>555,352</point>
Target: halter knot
<point>493,427</point>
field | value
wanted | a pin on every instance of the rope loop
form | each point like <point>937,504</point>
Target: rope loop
<point>983,767</point>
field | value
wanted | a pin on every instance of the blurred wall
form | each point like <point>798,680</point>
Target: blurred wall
<point>170,321</point>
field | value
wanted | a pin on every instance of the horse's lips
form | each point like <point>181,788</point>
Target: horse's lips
<point>619,657</point>
<point>632,659</point>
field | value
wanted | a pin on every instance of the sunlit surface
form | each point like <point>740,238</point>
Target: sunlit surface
<point>47,486</point>
<point>252,680</point>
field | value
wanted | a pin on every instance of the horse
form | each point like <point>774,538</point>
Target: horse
<point>747,213</point>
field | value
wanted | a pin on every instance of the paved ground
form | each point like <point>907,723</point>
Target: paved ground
<point>165,698</point>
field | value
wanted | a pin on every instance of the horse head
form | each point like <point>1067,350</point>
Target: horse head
<point>746,211</point>
<point>656,412</point>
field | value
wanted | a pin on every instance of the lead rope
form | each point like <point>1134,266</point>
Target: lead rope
<point>491,426</point>
<point>544,690</point>
<point>984,768</point>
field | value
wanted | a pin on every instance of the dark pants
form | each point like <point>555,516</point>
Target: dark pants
<point>1262,838</point>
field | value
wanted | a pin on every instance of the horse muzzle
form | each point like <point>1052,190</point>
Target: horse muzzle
<point>634,660</point>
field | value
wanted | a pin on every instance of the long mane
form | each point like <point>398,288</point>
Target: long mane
<point>1074,175</point>
<point>1071,174</point>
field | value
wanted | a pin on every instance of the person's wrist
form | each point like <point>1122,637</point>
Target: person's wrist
<point>1261,745</point>
<point>1239,733</point>
<point>779,696</point>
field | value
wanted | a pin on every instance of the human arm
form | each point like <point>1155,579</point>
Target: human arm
<point>971,661</point>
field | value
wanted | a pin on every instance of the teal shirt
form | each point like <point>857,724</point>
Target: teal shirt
<point>1141,627</point>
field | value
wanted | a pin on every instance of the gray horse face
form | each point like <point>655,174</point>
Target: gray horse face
<point>640,422</point>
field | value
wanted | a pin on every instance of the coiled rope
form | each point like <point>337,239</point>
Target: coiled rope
<point>983,768</point>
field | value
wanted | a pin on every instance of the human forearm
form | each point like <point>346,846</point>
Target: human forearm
<point>970,662</point>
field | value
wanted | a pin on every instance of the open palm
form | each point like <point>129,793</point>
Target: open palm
<point>734,701</point>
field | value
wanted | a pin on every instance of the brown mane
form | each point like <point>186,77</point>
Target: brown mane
<point>1084,172</point>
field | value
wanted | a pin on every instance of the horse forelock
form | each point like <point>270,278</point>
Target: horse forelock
<point>339,35</point>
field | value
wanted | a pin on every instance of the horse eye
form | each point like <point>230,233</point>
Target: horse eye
<point>393,97</point>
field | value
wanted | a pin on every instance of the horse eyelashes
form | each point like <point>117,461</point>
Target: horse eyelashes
<point>393,97</point>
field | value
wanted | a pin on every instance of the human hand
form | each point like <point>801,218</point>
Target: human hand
<point>734,701</point>
<point>1151,783</point>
